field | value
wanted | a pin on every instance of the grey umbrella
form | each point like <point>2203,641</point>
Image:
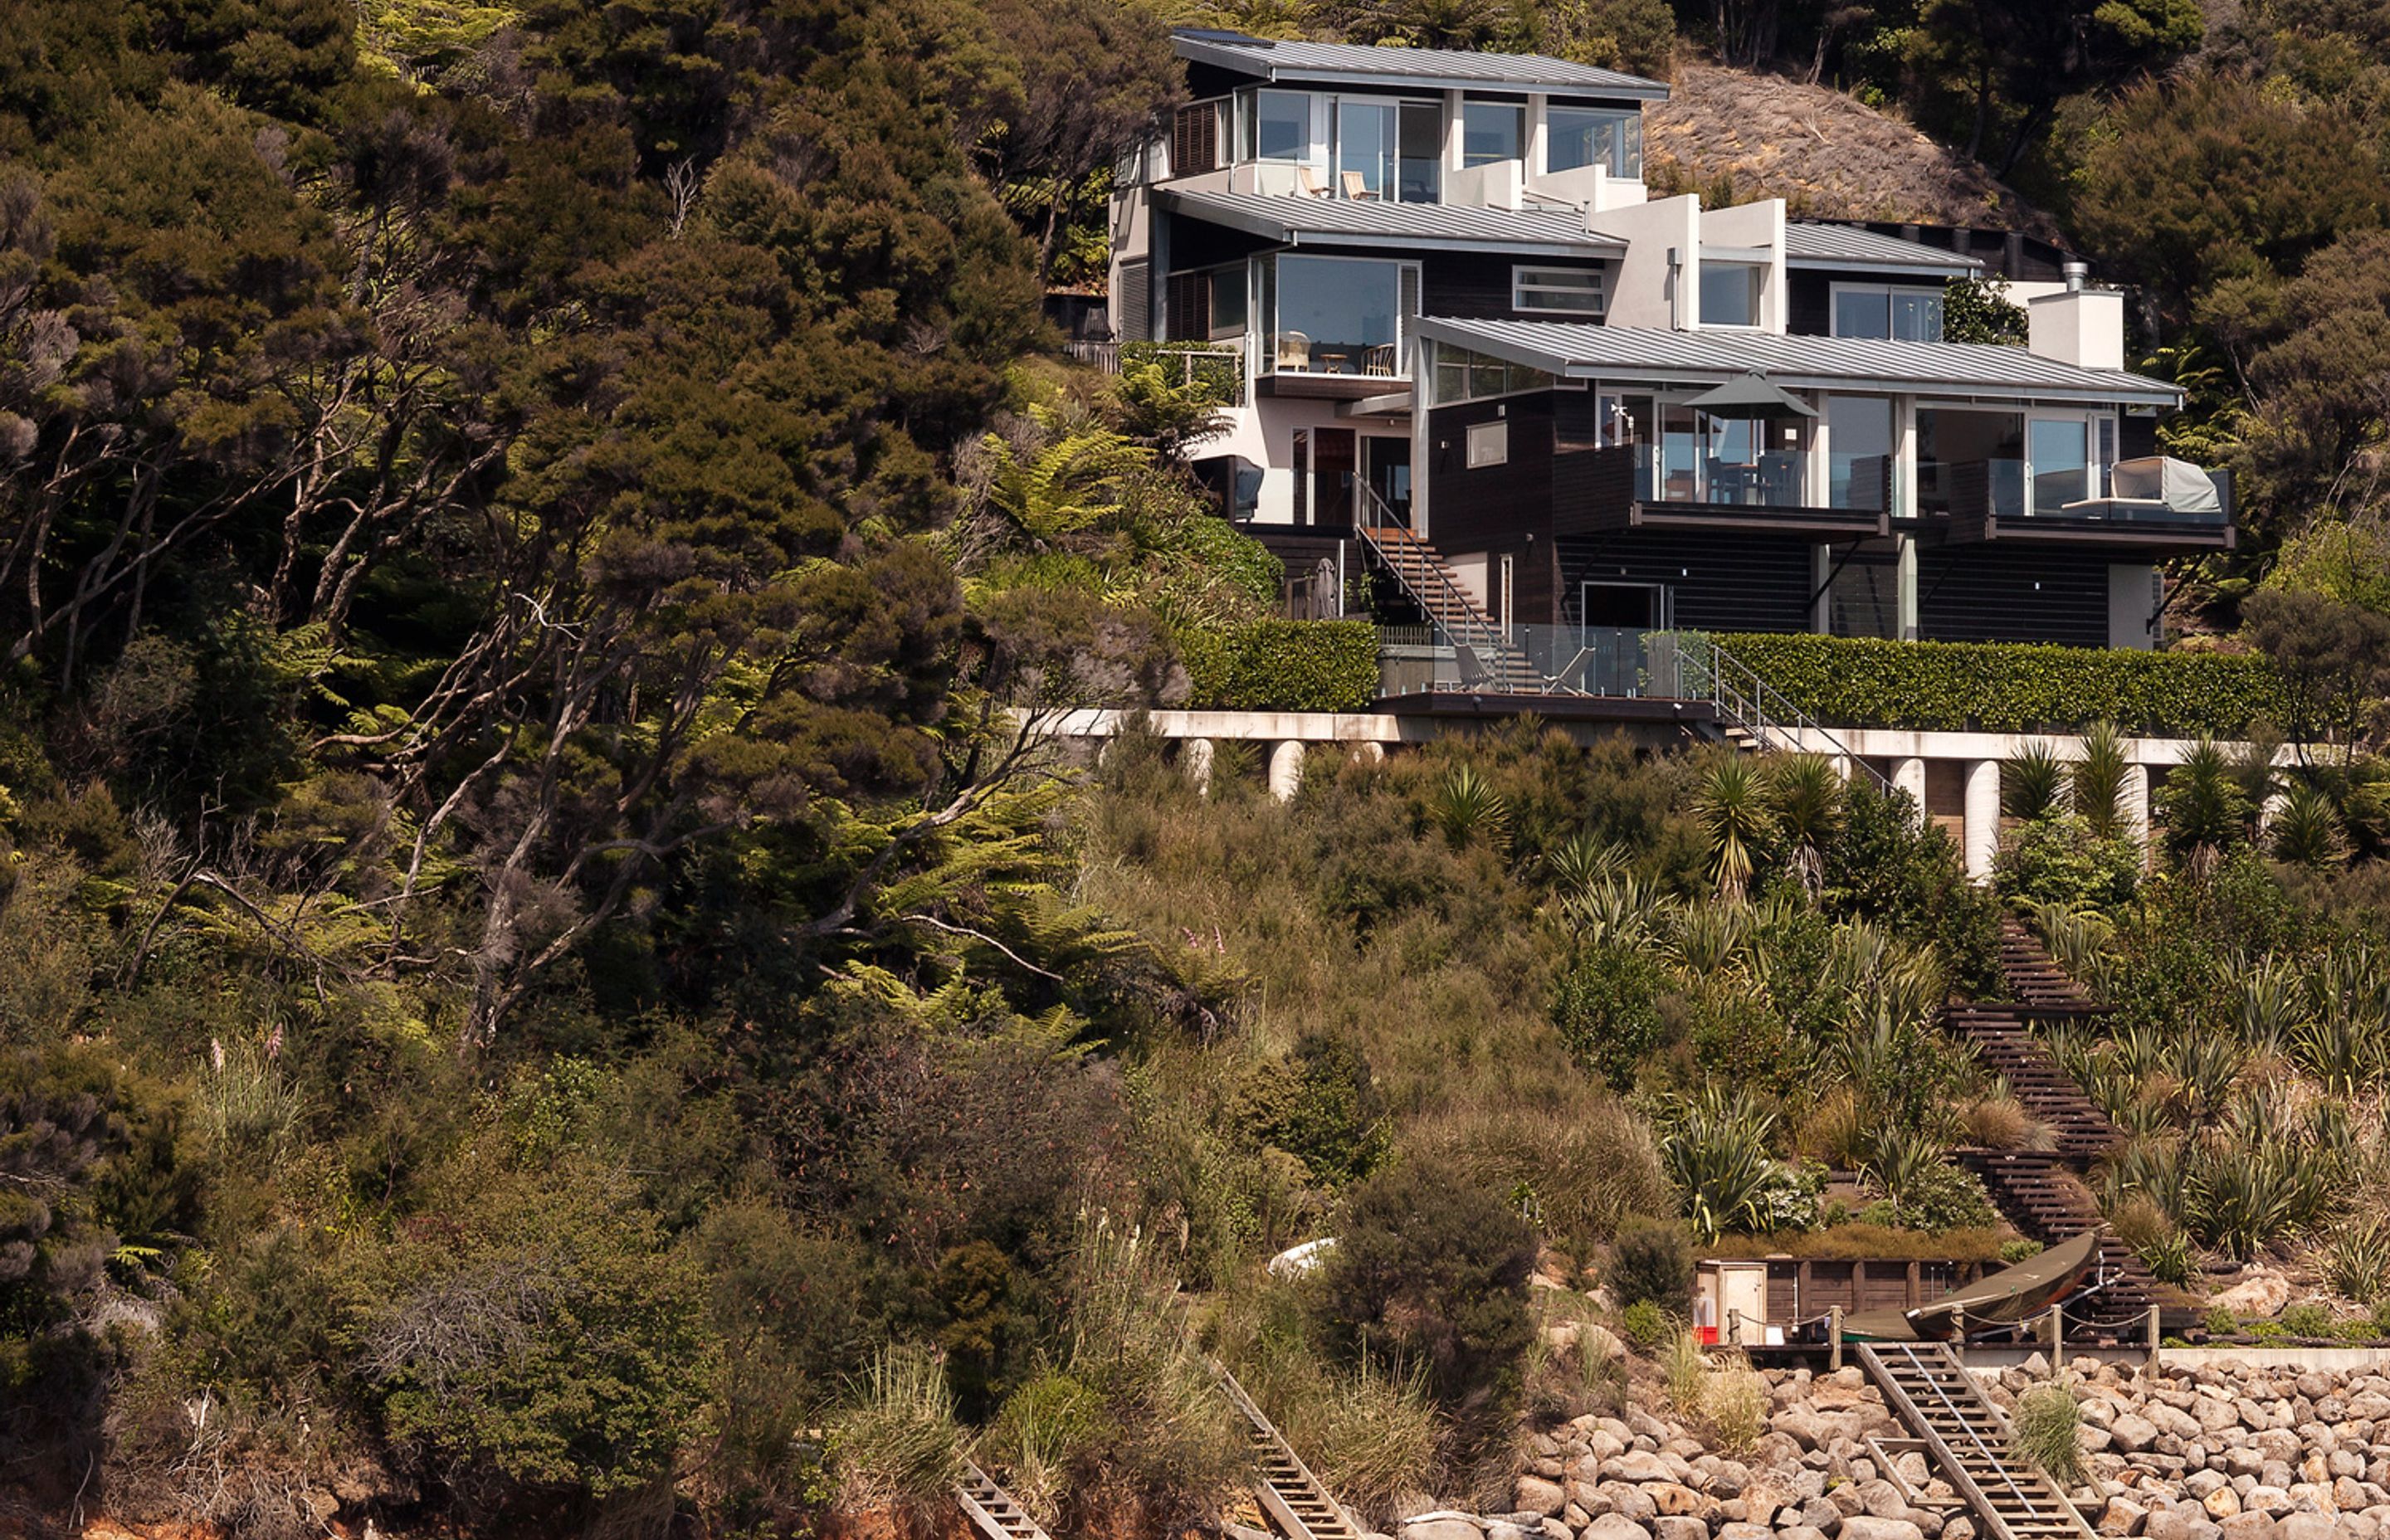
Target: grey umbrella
<point>1749,397</point>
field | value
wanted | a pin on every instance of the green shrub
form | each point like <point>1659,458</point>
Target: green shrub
<point>2061,861</point>
<point>1653,1263</point>
<point>2223,1323</point>
<point>1646,1324</point>
<point>1431,1269</point>
<point>2356,1260</point>
<point>2012,687</point>
<point>896,1440</point>
<point>2308,1320</point>
<point>2048,1428</point>
<point>1281,666</point>
<point>1606,1008</point>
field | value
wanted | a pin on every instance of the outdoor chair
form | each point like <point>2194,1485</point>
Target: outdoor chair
<point>1294,351</point>
<point>1357,186</point>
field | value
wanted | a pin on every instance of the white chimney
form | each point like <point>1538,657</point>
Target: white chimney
<point>2084,327</point>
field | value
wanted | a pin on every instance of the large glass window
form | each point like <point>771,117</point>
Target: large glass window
<point>1574,137</point>
<point>1958,449</point>
<point>1859,452</point>
<point>1730,294</point>
<point>1365,148</point>
<point>1421,165</point>
<point>1561,291</point>
<point>1227,300</point>
<point>1462,374</point>
<point>1903,314</point>
<point>1338,315</point>
<point>1281,126</point>
<point>2060,452</point>
<point>1491,131</point>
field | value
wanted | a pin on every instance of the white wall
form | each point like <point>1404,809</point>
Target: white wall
<point>1647,293</point>
<point>1263,434</point>
<point>1755,224</point>
<point>2083,326</point>
<point>2133,597</point>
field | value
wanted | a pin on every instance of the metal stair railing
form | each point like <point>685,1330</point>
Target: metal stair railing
<point>989,1508</point>
<point>1742,696</point>
<point>1308,1488</point>
<point>2034,1498</point>
<point>1452,612</point>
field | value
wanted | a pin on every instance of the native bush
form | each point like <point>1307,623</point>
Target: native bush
<point>1281,666</point>
<point>1652,1263</point>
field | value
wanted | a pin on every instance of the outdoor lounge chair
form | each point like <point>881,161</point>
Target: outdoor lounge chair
<point>1294,351</point>
<point>1357,186</point>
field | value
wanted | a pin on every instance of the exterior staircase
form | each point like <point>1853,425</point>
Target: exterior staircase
<point>2046,1201</point>
<point>2005,1046</point>
<point>1938,1400</point>
<point>1489,658</point>
<point>2034,978</point>
<point>1290,1493</point>
<point>992,1510</point>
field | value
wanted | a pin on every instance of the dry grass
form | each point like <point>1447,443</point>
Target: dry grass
<point>1999,1123</point>
<point>1825,153</point>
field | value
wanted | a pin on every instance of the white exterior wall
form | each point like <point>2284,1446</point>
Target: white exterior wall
<point>1263,434</point>
<point>2133,597</point>
<point>1755,224</point>
<point>1648,293</point>
<point>2083,326</point>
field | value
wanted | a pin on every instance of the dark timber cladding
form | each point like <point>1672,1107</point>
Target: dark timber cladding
<point>1734,583</point>
<point>1476,286</point>
<point>1502,510</point>
<point>1988,594</point>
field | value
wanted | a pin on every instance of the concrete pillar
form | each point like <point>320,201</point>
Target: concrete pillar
<point>2135,797</point>
<point>1195,758</point>
<point>1286,769</point>
<point>1909,774</point>
<point>1369,751</point>
<point>1983,817</point>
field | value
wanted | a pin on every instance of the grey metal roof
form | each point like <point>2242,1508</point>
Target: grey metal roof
<point>1959,369</point>
<point>1368,222</point>
<point>1429,69</point>
<point>1842,246</point>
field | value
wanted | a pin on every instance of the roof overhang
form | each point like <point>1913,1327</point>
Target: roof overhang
<point>1253,221</point>
<point>1558,361</point>
<point>1884,269</point>
<point>1249,61</point>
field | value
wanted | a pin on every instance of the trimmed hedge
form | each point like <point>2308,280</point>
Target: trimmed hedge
<point>1281,666</point>
<point>2012,687</point>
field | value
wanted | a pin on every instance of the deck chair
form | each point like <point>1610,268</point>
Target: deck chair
<point>1307,181</point>
<point>1378,362</point>
<point>1294,351</point>
<point>1356,186</point>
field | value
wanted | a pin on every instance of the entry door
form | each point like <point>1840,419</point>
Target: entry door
<point>1626,606</point>
<point>1388,467</point>
<point>1616,616</point>
<point>1333,466</point>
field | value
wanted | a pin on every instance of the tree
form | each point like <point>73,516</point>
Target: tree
<point>2213,176</point>
<point>1976,310</point>
<point>2335,660</point>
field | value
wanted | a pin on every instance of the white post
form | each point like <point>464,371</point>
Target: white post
<point>1983,841</point>
<point>1195,758</point>
<point>1909,774</point>
<point>2135,795</point>
<point>1286,769</point>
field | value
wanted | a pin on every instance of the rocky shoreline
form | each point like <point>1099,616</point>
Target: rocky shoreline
<point>2221,1451</point>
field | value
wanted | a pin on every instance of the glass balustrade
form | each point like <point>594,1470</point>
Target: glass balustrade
<point>1616,662</point>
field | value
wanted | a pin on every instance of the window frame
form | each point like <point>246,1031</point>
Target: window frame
<point>1753,274</point>
<point>1621,151</point>
<point>1487,445</point>
<point>1518,114</point>
<point>1533,279</point>
<point>1891,292</point>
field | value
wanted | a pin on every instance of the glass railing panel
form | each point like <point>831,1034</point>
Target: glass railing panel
<point>1614,662</point>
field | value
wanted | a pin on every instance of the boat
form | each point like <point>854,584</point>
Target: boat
<point>2009,1296</point>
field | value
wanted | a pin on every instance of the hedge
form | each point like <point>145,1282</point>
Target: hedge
<point>1281,666</point>
<point>2012,687</point>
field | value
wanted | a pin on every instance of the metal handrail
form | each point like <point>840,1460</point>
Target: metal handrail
<point>1477,633</point>
<point>1760,709</point>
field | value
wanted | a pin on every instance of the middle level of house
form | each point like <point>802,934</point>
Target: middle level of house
<point>1453,309</point>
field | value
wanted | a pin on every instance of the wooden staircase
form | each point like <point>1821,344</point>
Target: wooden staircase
<point>1488,654</point>
<point>1939,1402</point>
<point>1290,1493</point>
<point>2034,978</point>
<point>2005,1045</point>
<point>2045,1200</point>
<point>992,1510</point>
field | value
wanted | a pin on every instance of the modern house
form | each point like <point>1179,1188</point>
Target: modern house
<point>1478,359</point>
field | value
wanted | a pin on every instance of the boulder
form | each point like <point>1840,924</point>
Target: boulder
<point>1439,1526</point>
<point>2132,1434</point>
<point>1538,1495</point>
<point>1880,1499</point>
<point>1868,1527</point>
<point>2305,1526</point>
<point>2122,1517</point>
<point>2272,1501</point>
<point>1678,1527</point>
<point>2262,1295</point>
<point>1675,1498</point>
<point>1820,1513</point>
<point>1636,1466</point>
<point>2183,1522</point>
<point>2222,1503</point>
<point>2247,1526</point>
<point>1610,1526</point>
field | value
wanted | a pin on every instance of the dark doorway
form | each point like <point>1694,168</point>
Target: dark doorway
<point>1333,463</point>
<point>1634,606</point>
<point>1389,473</point>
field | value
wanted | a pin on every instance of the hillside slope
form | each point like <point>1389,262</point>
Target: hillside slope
<point>1825,152</point>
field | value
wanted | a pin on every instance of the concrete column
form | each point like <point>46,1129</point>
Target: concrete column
<point>1195,758</point>
<point>1909,776</point>
<point>1911,628</point>
<point>1369,751</point>
<point>2135,796</point>
<point>1286,769</point>
<point>1983,817</point>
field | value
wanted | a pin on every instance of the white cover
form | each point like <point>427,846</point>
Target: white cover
<point>2180,484</point>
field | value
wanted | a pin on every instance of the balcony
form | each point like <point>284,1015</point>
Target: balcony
<point>2154,505</point>
<point>1633,487</point>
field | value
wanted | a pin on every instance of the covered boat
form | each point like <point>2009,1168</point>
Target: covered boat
<point>2006,1298</point>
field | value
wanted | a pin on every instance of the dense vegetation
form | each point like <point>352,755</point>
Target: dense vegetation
<point>543,986</point>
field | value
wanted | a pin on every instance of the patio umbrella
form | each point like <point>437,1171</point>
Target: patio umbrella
<point>1749,398</point>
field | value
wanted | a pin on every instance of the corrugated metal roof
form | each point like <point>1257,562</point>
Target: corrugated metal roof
<point>1443,69</point>
<point>1842,246</point>
<point>1347,221</point>
<point>1812,363</point>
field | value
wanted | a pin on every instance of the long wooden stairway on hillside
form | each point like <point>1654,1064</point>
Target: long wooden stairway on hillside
<point>992,1510</point>
<point>1294,1499</point>
<point>1492,660</point>
<point>1938,1400</point>
<point>2040,1192</point>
